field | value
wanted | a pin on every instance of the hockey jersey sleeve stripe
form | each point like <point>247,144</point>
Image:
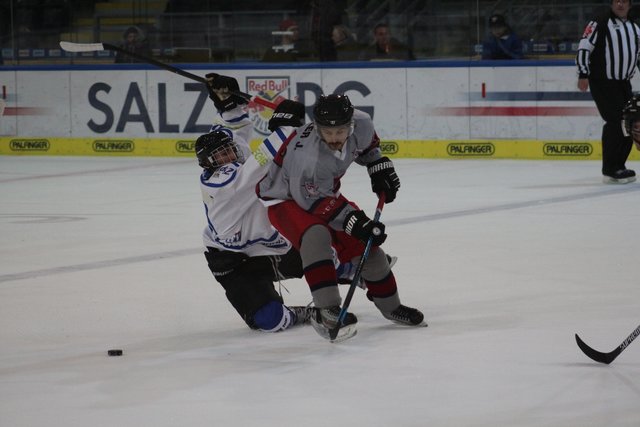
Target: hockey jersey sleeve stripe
<point>279,158</point>
<point>585,47</point>
<point>237,119</point>
<point>232,117</point>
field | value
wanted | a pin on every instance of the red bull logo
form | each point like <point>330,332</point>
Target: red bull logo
<point>273,89</point>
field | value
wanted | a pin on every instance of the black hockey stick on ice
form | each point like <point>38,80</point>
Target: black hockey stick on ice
<point>607,357</point>
<point>333,333</point>
<point>95,47</point>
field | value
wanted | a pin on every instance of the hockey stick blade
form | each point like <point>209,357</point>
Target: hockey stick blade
<point>596,355</point>
<point>81,47</point>
<point>607,357</point>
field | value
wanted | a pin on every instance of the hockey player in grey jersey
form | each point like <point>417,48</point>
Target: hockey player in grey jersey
<point>244,252</point>
<point>302,191</point>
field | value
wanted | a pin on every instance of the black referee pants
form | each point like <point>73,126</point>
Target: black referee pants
<point>610,97</point>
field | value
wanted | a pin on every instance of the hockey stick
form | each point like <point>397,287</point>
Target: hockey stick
<point>607,357</point>
<point>333,333</point>
<point>96,47</point>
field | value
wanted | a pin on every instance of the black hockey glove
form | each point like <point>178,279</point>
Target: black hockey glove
<point>223,102</point>
<point>288,113</point>
<point>358,225</point>
<point>384,178</point>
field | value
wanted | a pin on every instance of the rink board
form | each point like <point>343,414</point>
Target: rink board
<point>421,109</point>
<point>522,149</point>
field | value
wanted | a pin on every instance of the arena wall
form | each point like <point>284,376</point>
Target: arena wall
<point>422,109</point>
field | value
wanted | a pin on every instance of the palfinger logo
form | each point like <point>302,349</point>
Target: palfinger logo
<point>556,149</point>
<point>185,146</point>
<point>113,146</point>
<point>29,145</point>
<point>389,147</point>
<point>471,149</point>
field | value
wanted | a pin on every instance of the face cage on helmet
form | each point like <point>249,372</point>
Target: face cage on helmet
<point>227,150</point>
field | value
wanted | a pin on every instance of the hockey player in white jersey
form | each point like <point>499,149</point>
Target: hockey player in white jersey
<point>244,252</point>
<point>302,190</point>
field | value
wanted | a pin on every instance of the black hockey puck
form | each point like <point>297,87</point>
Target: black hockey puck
<point>115,352</point>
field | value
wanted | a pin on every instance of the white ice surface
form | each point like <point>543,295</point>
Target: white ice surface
<point>507,259</point>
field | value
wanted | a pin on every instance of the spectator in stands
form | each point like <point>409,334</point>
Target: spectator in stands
<point>503,42</point>
<point>291,48</point>
<point>134,42</point>
<point>345,43</point>
<point>325,14</point>
<point>385,46</point>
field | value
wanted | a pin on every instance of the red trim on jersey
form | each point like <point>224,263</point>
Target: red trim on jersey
<point>279,157</point>
<point>328,208</point>
<point>375,143</point>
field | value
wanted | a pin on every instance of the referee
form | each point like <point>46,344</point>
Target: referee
<point>607,59</point>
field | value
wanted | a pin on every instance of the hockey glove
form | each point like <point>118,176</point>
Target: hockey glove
<point>358,225</point>
<point>384,178</point>
<point>220,88</point>
<point>288,113</point>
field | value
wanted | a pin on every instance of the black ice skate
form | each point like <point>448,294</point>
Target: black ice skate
<point>623,176</point>
<point>404,315</point>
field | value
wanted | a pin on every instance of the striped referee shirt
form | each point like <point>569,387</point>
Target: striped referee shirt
<point>609,49</point>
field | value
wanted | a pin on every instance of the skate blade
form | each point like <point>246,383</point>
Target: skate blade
<point>344,333</point>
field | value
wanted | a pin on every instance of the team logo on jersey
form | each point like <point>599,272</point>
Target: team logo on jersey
<point>311,189</point>
<point>274,89</point>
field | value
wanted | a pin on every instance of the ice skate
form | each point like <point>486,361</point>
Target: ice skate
<point>326,319</point>
<point>404,315</point>
<point>302,314</point>
<point>623,176</point>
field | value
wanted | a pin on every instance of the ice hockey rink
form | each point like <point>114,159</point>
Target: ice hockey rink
<point>508,259</point>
